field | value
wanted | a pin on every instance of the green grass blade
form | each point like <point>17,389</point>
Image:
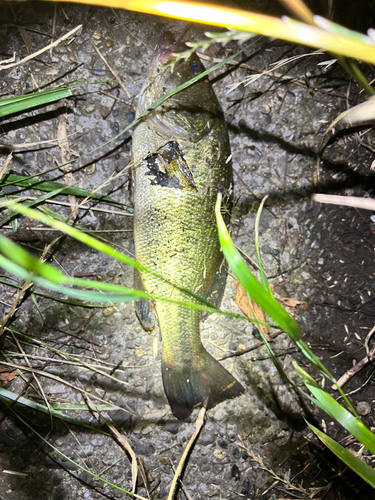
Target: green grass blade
<point>35,183</point>
<point>363,470</point>
<point>57,299</point>
<point>351,423</point>
<point>32,203</point>
<point>21,103</point>
<point>260,265</point>
<point>8,396</point>
<point>329,37</point>
<point>98,245</point>
<point>12,214</point>
<point>22,258</point>
<point>263,298</point>
<point>20,263</point>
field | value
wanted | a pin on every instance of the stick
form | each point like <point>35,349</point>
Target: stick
<point>198,426</point>
<point>347,201</point>
<point>370,356</point>
<point>36,54</point>
<point>112,71</point>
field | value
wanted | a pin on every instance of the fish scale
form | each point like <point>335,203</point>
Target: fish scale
<point>175,231</point>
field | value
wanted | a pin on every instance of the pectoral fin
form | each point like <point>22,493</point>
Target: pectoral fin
<point>143,309</point>
<point>216,291</point>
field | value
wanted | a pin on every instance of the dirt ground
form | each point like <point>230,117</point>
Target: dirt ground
<point>254,447</point>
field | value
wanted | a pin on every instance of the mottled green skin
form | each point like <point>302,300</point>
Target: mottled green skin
<point>175,230</point>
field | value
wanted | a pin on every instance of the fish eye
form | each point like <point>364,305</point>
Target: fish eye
<point>195,68</point>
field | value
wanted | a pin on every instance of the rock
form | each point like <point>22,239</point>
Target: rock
<point>363,408</point>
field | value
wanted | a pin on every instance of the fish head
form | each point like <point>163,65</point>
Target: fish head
<point>188,114</point>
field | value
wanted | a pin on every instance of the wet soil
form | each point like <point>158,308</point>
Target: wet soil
<point>320,255</point>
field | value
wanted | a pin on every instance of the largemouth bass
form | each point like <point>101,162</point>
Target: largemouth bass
<point>181,155</point>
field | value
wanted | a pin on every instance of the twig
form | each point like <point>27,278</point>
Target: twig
<point>47,47</point>
<point>5,165</point>
<point>53,28</point>
<point>251,348</point>
<point>370,356</point>
<point>34,376</point>
<point>259,461</point>
<point>347,201</point>
<point>81,207</point>
<point>120,440</point>
<point>58,379</point>
<point>187,494</point>
<point>198,426</point>
<point>112,71</point>
<point>124,444</point>
<point>145,478</point>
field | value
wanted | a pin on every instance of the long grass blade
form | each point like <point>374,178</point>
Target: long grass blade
<point>94,243</point>
<point>57,299</point>
<point>34,183</point>
<point>257,292</point>
<point>33,203</point>
<point>17,104</point>
<point>363,470</point>
<point>338,412</point>
<point>140,117</point>
<point>20,263</point>
<point>15,399</point>
<point>70,460</point>
<point>326,35</point>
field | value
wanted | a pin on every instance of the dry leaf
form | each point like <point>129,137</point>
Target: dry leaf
<point>125,445</point>
<point>26,39</point>
<point>6,375</point>
<point>251,310</point>
<point>292,304</point>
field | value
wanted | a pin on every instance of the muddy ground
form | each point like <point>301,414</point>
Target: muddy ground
<point>322,256</point>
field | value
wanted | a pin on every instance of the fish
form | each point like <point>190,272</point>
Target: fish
<point>181,159</point>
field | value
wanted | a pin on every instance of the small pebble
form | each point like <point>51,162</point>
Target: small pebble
<point>98,72</point>
<point>219,454</point>
<point>115,127</point>
<point>207,439</point>
<point>108,311</point>
<point>164,460</point>
<point>130,116</point>
<point>222,443</point>
<point>245,487</point>
<point>363,408</point>
<point>171,427</point>
<point>294,239</point>
<point>21,135</point>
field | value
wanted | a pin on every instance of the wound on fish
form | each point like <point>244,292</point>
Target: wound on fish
<point>169,168</point>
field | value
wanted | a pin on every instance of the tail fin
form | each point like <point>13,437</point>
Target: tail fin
<point>203,382</point>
